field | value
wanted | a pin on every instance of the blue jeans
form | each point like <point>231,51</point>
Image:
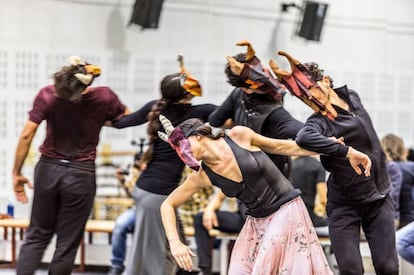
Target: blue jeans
<point>405,242</point>
<point>124,224</point>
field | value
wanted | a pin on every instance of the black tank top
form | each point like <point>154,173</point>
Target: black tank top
<point>263,189</point>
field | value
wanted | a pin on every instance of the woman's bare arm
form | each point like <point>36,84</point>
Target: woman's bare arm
<point>270,145</point>
<point>245,136</point>
<point>181,252</point>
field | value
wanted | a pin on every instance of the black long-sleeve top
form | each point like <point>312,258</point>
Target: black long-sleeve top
<point>163,172</point>
<point>344,185</point>
<point>262,114</point>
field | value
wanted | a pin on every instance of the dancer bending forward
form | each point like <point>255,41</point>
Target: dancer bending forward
<point>278,236</point>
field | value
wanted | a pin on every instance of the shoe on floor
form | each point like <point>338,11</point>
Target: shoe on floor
<point>115,271</point>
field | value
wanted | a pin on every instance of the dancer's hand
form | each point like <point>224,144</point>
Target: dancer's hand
<point>210,219</point>
<point>339,140</point>
<point>358,159</point>
<point>182,254</point>
<point>18,185</point>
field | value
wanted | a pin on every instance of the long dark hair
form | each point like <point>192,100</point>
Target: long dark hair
<point>171,92</point>
<point>316,72</point>
<point>67,86</point>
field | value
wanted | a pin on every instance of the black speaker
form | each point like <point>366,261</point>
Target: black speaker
<point>146,13</point>
<point>312,21</point>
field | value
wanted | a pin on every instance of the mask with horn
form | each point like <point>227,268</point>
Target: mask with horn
<point>179,141</point>
<point>188,81</point>
<point>300,83</point>
<point>88,71</point>
<point>253,73</point>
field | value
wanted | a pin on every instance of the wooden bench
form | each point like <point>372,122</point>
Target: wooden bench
<point>92,226</point>
<point>104,226</point>
<point>14,225</point>
<point>113,207</point>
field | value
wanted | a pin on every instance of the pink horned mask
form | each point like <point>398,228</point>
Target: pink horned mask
<point>177,139</point>
<point>301,84</point>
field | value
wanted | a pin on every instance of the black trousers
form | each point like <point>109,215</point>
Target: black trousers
<point>229,222</point>
<point>377,222</point>
<point>62,201</point>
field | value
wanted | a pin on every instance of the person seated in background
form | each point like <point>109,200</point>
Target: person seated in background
<point>396,151</point>
<point>125,223</point>
<point>196,204</point>
<point>191,207</point>
<point>393,154</point>
<point>309,176</point>
<point>410,155</point>
<point>214,218</point>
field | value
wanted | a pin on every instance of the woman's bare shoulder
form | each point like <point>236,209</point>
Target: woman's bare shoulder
<point>239,131</point>
<point>242,135</point>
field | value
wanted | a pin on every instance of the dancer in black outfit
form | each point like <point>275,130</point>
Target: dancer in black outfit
<point>354,200</point>
<point>163,171</point>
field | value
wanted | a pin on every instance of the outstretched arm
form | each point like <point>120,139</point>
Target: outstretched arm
<point>181,252</point>
<point>23,145</point>
<point>251,139</point>
<point>133,119</point>
<point>312,138</point>
<point>271,145</point>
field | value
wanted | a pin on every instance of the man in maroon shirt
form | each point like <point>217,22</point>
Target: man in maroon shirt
<point>65,174</point>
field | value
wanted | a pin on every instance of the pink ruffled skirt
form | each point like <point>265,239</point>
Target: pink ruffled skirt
<point>282,243</point>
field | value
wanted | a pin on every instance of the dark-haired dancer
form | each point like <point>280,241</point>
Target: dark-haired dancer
<point>278,236</point>
<point>64,179</point>
<point>257,103</point>
<point>163,172</point>
<point>354,201</point>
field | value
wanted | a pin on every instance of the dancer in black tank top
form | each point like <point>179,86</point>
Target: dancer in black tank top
<point>278,234</point>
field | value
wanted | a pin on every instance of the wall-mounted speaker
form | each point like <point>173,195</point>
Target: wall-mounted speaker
<point>312,21</point>
<point>146,13</point>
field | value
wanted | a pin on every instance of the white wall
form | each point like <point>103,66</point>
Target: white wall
<point>365,44</point>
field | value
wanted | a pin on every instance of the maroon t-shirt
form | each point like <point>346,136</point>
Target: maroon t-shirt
<point>73,127</point>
